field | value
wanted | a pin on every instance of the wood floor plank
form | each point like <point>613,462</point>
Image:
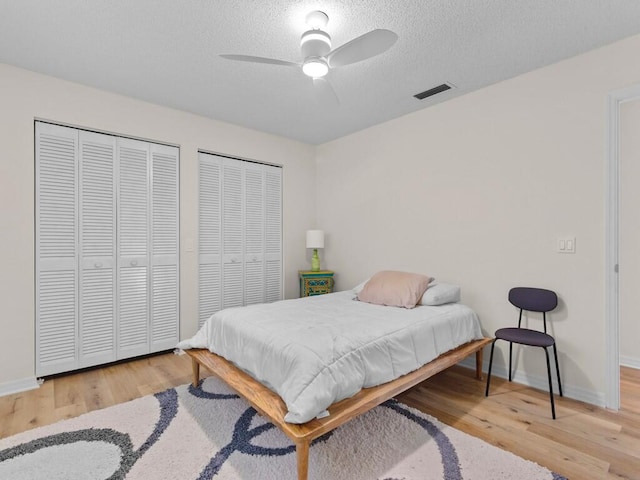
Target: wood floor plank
<point>584,443</point>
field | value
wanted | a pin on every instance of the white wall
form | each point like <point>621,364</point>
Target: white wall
<point>477,190</point>
<point>629,254</point>
<point>25,95</point>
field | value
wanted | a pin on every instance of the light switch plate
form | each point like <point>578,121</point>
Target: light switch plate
<point>566,245</point>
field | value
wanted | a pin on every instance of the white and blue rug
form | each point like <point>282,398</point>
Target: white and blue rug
<point>210,433</point>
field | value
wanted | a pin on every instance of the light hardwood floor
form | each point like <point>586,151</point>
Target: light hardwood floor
<point>584,443</point>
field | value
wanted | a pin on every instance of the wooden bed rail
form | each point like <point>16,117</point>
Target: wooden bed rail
<point>270,405</point>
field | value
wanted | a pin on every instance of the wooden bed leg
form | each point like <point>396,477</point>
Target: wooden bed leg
<point>479,363</point>
<point>195,366</point>
<point>302,454</point>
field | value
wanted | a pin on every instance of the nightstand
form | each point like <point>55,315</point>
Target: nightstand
<point>315,283</point>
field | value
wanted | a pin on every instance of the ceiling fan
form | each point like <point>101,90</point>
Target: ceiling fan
<point>318,58</point>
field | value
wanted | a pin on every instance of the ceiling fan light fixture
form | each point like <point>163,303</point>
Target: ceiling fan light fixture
<point>315,43</point>
<point>315,67</point>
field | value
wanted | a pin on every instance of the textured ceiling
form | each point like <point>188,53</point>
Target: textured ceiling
<point>166,52</point>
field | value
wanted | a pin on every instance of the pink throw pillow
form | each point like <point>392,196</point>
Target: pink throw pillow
<point>396,289</point>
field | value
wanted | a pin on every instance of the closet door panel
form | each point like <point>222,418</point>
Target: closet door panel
<point>133,246</point>
<point>273,234</point>
<point>165,247</point>
<point>254,234</point>
<point>209,236</point>
<point>97,249</point>
<point>56,249</point>
<point>232,234</point>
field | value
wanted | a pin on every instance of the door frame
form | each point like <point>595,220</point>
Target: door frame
<point>612,243</point>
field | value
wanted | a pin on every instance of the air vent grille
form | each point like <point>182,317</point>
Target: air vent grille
<point>433,91</point>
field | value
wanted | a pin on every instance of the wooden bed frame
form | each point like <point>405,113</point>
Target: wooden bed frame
<point>270,405</point>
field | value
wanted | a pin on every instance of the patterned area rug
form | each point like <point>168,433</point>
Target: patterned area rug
<point>210,433</point>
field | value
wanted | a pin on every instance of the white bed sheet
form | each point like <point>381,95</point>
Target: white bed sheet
<point>315,351</point>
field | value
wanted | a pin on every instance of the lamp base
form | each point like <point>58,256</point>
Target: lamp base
<point>315,261</point>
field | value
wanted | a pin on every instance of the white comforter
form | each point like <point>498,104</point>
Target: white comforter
<point>317,350</point>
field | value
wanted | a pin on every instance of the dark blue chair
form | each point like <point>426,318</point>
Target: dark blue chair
<point>532,300</point>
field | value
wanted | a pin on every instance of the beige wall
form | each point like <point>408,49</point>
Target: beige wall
<point>629,254</point>
<point>477,190</point>
<point>25,96</point>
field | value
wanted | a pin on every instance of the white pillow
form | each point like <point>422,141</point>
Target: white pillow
<point>439,294</point>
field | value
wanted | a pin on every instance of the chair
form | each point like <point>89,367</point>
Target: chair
<point>533,300</point>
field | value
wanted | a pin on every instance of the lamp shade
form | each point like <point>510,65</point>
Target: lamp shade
<point>315,239</point>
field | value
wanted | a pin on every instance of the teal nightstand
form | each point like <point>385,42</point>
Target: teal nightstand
<point>315,283</point>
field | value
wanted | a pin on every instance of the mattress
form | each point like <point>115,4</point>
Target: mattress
<point>315,351</point>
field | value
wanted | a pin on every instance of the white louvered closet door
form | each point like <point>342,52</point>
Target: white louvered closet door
<point>254,234</point>
<point>232,233</point>
<point>164,251</point>
<point>240,233</point>
<point>209,236</point>
<point>97,202</point>
<point>133,245</point>
<point>56,249</point>
<point>273,233</point>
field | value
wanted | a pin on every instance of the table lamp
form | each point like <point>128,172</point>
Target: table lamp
<point>315,240</point>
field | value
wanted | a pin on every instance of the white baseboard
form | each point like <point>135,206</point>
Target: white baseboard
<point>17,386</point>
<point>540,383</point>
<point>630,362</point>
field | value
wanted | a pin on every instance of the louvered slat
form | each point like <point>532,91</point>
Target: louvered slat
<point>232,208</point>
<point>133,332</point>
<point>57,323</point>
<point>233,285</point>
<point>254,283</point>
<point>133,201</point>
<point>97,319</point>
<point>165,203</point>
<point>210,291</point>
<point>97,195</point>
<point>209,203</point>
<point>56,159</point>
<point>164,325</point>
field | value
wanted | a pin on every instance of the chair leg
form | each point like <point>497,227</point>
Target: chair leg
<point>555,354</point>
<point>510,351</point>
<point>493,344</point>
<point>553,406</point>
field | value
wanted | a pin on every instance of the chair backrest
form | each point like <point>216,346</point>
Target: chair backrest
<point>533,299</point>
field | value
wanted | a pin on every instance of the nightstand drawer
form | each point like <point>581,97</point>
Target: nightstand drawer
<point>315,283</point>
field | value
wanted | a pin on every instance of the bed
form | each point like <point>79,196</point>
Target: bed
<point>312,364</point>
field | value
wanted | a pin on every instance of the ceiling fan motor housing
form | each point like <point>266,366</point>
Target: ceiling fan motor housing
<point>315,43</point>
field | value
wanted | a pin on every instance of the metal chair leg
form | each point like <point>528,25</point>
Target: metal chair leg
<point>493,344</point>
<point>510,351</point>
<point>555,354</point>
<point>553,406</point>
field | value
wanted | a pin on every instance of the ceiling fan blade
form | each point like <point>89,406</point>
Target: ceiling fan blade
<point>325,92</point>
<point>252,59</point>
<point>365,46</point>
